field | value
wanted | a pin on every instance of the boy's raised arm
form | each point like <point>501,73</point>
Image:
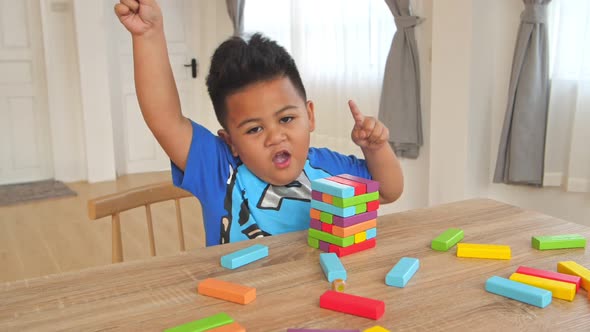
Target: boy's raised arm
<point>373,138</point>
<point>154,81</point>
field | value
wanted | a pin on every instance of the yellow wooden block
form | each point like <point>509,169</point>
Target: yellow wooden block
<point>491,251</point>
<point>559,289</point>
<point>575,269</point>
<point>360,237</point>
<point>376,328</point>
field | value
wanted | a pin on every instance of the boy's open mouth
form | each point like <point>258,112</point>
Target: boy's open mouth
<point>282,159</point>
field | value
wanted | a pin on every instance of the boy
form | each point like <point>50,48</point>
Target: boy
<point>253,179</point>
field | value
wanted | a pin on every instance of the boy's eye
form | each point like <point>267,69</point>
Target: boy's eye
<point>254,130</point>
<point>287,119</point>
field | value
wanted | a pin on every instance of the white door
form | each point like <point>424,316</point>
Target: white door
<point>139,151</point>
<point>25,148</point>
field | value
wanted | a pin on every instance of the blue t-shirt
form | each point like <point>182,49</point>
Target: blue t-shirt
<point>237,205</point>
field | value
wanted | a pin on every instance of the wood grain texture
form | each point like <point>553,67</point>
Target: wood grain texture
<point>447,293</point>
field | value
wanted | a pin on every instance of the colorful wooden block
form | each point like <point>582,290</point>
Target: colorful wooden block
<point>327,237</point>
<point>314,243</point>
<point>371,233</point>
<point>203,324</point>
<point>315,224</point>
<point>575,269</point>
<point>333,268</point>
<point>345,251</point>
<point>338,285</point>
<point>327,198</point>
<point>326,217</point>
<point>352,304</point>
<point>349,221</point>
<point>371,185</point>
<point>360,237</point>
<point>559,289</point>
<point>332,188</point>
<point>325,246</point>
<point>315,214</point>
<point>447,239</point>
<point>232,327</point>
<point>227,291</point>
<point>376,328</point>
<point>326,228</point>
<point>518,291</point>
<point>342,212</point>
<point>316,330</point>
<point>317,195</point>
<point>550,275</point>
<point>402,272</point>
<point>359,187</point>
<point>489,251</point>
<point>372,206</point>
<point>244,256</point>
<point>360,208</point>
<point>346,202</point>
<point>565,241</point>
<point>354,229</point>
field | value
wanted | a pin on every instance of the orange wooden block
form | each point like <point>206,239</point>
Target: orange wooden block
<point>327,198</point>
<point>315,214</point>
<point>227,291</point>
<point>351,230</point>
<point>233,327</point>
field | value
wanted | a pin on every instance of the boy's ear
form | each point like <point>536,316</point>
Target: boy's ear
<point>310,115</point>
<point>227,139</point>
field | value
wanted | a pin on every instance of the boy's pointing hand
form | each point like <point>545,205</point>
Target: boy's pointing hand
<point>368,132</point>
<point>139,16</point>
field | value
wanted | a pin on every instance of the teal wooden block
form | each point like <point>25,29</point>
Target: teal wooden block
<point>244,256</point>
<point>518,291</point>
<point>565,241</point>
<point>371,233</point>
<point>332,188</point>
<point>341,212</point>
<point>333,268</point>
<point>204,324</point>
<point>402,272</point>
<point>447,239</point>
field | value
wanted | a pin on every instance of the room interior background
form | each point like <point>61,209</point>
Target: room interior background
<point>78,118</point>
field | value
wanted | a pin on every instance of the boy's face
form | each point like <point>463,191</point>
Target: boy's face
<point>268,127</point>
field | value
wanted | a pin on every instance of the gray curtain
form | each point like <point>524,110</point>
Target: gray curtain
<point>399,108</point>
<point>235,10</point>
<point>521,154</point>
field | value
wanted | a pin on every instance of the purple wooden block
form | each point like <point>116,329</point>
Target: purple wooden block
<point>371,185</point>
<point>352,220</point>
<point>324,246</point>
<point>316,330</point>
<point>315,224</point>
<point>316,195</point>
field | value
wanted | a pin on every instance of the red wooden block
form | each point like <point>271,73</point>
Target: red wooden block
<point>372,186</point>
<point>327,228</point>
<point>373,205</point>
<point>359,188</point>
<point>352,304</point>
<point>550,275</point>
<point>340,251</point>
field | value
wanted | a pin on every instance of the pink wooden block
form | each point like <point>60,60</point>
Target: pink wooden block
<point>372,186</point>
<point>550,275</point>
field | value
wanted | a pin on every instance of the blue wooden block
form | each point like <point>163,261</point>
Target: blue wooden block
<point>333,268</point>
<point>244,256</point>
<point>402,272</point>
<point>519,291</point>
<point>332,188</point>
<point>341,212</point>
<point>371,233</point>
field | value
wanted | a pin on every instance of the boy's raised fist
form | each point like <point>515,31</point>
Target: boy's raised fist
<point>139,16</point>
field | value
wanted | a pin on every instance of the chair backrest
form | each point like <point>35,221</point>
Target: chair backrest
<point>113,204</point>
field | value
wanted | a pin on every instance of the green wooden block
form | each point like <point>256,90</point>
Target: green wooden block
<point>361,208</point>
<point>326,217</point>
<point>565,241</point>
<point>356,200</point>
<point>327,237</point>
<point>204,324</point>
<point>315,243</point>
<point>447,239</point>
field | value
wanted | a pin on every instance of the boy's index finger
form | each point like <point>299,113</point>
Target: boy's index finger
<point>356,113</point>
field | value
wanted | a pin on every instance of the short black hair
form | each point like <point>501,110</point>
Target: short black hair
<point>239,62</point>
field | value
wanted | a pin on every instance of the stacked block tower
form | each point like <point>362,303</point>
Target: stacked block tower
<point>343,214</point>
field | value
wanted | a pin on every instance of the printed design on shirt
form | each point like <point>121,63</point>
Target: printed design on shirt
<point>227,204</point>
<point>273,196</point>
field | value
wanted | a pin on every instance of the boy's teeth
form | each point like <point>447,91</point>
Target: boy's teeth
<point>281,157</point>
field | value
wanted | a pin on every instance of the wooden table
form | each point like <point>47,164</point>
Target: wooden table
<point>447,293</point>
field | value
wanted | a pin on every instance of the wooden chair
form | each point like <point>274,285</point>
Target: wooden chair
<point>112,205</point>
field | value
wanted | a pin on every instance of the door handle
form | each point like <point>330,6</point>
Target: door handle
<point>193,66</point>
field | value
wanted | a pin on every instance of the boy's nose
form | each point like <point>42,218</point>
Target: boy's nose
<point>274,136</point>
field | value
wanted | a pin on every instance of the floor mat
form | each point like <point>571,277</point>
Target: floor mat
<point>33,191</point>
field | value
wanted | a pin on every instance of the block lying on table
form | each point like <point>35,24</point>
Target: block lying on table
<point>244,256</point>
<point>352,304</point>
<point>565,241</point>
<point>316,330</point>
<point>376,328</point>
<point>233,327</point>
<point>490,251</point>
<point>519,291</point>
<point>447,239</point>
<point>203,324</point>
<point>333,268</point>
<point>550,275</point>
<point>227,291</point>
<point>559,289</point>
<point>402,272</point>
<point>575,269</point>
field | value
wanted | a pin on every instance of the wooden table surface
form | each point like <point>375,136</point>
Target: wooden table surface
<point>447,293</point>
